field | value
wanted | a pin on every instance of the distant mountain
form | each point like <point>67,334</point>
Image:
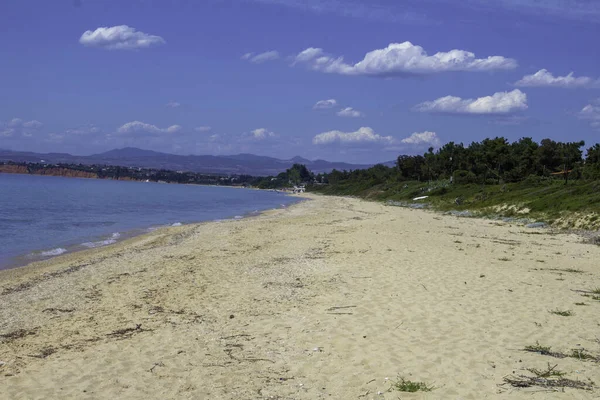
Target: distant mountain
<point>248,164</point>
<point>300,160</point>
<point>128,152</point>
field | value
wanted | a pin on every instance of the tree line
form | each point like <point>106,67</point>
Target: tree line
<point>490,161</point>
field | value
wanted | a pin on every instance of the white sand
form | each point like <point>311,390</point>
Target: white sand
<point>324,300</point>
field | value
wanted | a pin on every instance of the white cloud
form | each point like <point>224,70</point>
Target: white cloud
<point>308,55</point>
<point>364,135</point>
<point>121,37</point>
<point>141,127</point>
<point>18,127</point>
<point>498,103</point>
<point>422,138</point>
<point>89,133</point>
<point>173,104</point>
<point>15,122</point>
<point>55,137</point>
<point>402,59</point>
<point>591,113</point>
<point>262,57</point>
<point>349,112</point>
<point>203,129</point>
<point>261,134</point>
<point>543,78</point>
<point>83,130</point>
<point>325,104</point>
<point>32,124</point>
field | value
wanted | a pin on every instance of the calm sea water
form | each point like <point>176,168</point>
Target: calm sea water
<point>42,216</point>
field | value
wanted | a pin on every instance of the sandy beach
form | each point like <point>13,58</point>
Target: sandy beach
<point>332,298</point>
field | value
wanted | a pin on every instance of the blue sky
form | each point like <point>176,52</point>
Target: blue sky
<point>357,81</point>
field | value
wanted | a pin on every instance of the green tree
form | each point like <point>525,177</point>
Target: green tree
<point>548,156</point>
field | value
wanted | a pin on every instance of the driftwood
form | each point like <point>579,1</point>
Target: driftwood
<point>550,378</point>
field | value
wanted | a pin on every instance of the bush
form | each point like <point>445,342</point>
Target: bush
<point>461,177</point>
<point>535,180</point>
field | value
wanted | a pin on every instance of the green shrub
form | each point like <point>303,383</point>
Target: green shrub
<point>462,177</point>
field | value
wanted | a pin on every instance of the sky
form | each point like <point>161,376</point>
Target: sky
<point>341,80</point>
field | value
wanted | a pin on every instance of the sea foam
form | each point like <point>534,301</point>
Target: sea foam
<point>54,252</point>
<point>112,240</point>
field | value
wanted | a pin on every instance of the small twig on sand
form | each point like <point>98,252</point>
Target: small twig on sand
<point>234,336</point>
<point>582,291</point>
<point>522,381</point>
<point>256,359</point>
<point>339,308</point>
<point>550,378</point>
<point>158,364</point>
<point>63,310</point>
<point>127,332</point>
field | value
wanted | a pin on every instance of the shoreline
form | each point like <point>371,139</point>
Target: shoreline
<point>329,298</point>
<point>111,235</point>
<point>107,240</point>
<point>49,264</point>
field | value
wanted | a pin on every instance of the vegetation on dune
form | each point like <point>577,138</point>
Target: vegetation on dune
<point>545,181</point>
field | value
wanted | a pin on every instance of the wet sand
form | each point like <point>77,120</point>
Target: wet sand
<point>333,298</point>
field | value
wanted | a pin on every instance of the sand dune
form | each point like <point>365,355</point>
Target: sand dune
<point>333,298</point>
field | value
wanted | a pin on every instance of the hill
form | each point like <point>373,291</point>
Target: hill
<point>248,164</point>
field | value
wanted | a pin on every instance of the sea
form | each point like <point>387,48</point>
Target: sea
<point>45,216</point>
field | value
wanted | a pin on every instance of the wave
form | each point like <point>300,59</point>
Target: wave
<point>101,243</point>
<point>177,224</point>
<point>54,252</point>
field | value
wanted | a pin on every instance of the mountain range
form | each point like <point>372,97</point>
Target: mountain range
<point>248,164</point>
